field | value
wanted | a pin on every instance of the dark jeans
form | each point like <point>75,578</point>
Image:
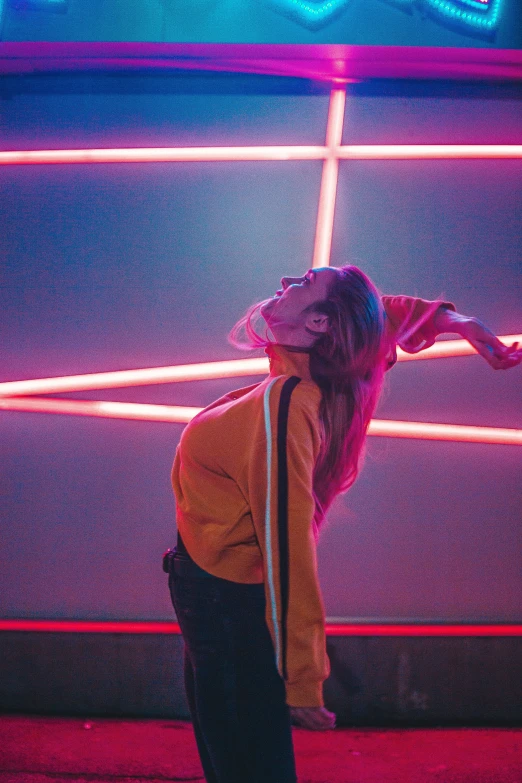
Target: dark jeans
<point>235,694</point>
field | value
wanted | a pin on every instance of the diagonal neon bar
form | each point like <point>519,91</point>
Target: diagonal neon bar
<point>181,415</point>
<point>202,371</point>
<point>101,408</point>
<point>260,153</point>
<point>451,432</point>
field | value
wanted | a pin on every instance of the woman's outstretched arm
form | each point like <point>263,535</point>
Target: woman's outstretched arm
<point>498,355</point>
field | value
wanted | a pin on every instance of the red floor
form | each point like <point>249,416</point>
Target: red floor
<point>48,750</point>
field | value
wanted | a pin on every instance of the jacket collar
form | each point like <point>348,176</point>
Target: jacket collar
<point>288,360</point>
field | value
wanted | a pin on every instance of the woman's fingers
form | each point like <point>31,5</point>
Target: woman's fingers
<point>487,344</point>
<point>498,355</point>
<point>313,718</point>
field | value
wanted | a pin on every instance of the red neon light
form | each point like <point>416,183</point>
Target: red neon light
<point>428,151</point>
<point>261,153</point>
<point>178,414</point>
<point>203,371</point>
<point>332,629</point>
<point>89,626</point>
<point>422,630</point>
<point>328,192</point>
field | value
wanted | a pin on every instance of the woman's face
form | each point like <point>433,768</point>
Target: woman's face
<point>285,313</point>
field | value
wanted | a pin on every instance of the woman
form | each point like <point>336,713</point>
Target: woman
<point>254,475</point>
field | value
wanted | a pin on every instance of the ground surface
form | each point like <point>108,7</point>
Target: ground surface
<point>60,750</point>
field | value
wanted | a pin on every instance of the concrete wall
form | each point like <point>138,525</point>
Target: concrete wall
<point>374,681</point>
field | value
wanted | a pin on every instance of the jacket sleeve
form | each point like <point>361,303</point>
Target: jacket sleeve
<point>410,322</point>
<point>282,506</point>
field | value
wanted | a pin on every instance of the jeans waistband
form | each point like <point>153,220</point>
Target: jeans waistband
<point>183,565</point>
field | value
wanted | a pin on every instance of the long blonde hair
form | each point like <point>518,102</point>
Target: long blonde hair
<point>347,363</point>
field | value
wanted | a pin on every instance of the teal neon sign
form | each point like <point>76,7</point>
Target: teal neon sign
<point>473,16</point>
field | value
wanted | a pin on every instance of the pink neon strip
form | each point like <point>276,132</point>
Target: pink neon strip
<point>177,414</point>
<point>145,377</point>
<point>328,191</point>
<point>163,155</point>
<point>453,432</point>
<point>428,151</point>
<point>447,348</point>
<point>332,629</point>
<point>204,371</point>
<point>89,626</point>
<point>103,409</point>
<point>261,153</point>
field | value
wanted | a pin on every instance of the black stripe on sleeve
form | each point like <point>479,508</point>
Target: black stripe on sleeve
<point>282,508</point>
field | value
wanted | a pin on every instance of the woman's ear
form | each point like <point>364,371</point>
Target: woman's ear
<point>317,322</point>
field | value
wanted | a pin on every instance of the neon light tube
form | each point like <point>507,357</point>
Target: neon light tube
<point>262,153</point>
<point>428,151</point>
<point>454,432</point>
<point>144,377</point>
<point>422,629</point>
<point>328,191</point>
<point>446,348</point>
<point>332,629</point>
<point>89,626</point>
<point>179,414</point>
<point>163,155</point>
<point>203,371</point>
<point>103,409</point>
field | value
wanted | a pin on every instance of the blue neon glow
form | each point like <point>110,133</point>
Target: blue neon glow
<point>473,15</point>
<point>484,17</point>
<point>310,13</point>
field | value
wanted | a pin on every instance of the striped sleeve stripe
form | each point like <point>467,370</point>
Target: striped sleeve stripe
<point>282,508</point>
<point>268,529</point>
<point>282,516</point>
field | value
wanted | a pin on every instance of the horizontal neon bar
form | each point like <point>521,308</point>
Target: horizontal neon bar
<point>178,414</point>
<point>164,154</point>
<point>428,151</point>
<point>260,153</point>
<point>202,371</point>
<point>332,629</point>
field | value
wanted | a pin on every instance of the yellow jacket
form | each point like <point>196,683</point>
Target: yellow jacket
<point>242,480</point>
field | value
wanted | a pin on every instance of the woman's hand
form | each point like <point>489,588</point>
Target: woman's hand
<point>497,355</point>
<point>313,718</point>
